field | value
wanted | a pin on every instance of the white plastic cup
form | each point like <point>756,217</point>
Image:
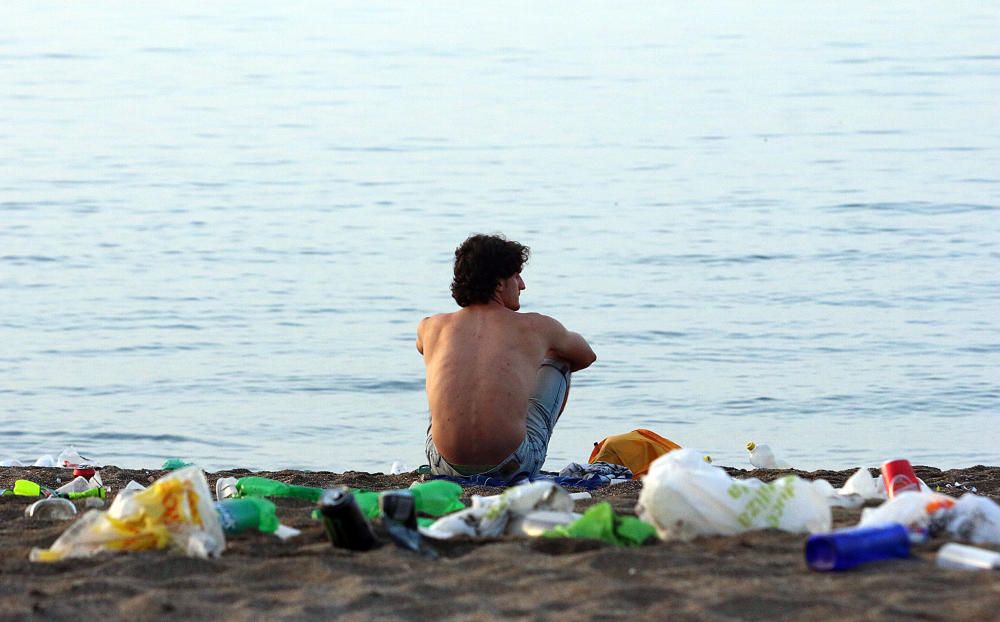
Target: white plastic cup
<point>964,557</point>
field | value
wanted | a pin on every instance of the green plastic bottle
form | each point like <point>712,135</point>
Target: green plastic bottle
<point>434,498</point>
<point>99,492</point>
<point>28,488</point>
<point>437,497</point>
<point>368,502</point>
<point>239,515</point>
<point>264,487</point>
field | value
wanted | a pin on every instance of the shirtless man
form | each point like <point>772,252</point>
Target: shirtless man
<point>497,380</point>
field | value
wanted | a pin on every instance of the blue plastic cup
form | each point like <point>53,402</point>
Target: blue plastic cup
<point>846,548</point>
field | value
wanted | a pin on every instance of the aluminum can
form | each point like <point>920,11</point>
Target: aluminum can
<point>345,525</point>
<point>399,506</point>
<point>898,476</point>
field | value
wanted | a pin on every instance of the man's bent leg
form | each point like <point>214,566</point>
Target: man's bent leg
<point>544,407</point>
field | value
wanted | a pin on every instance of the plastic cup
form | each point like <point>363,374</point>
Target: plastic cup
<point>898,476</point>
<point>846,548</point>
<point>51,509</point>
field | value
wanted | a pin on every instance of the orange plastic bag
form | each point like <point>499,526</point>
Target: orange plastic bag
<point>635,449</point>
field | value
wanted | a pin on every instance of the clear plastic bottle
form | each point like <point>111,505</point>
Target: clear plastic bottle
<point>966,557</point>
<point>761,457</point>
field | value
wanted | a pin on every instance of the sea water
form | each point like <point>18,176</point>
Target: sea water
<point>221,222</point>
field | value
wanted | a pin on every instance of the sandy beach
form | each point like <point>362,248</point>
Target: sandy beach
<point>758,575</point>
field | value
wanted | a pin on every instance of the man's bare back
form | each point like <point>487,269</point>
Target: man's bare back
<point>482,363</point>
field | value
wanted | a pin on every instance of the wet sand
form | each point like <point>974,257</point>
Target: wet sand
<point>758,575</point>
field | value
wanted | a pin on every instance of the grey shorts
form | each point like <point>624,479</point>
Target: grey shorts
<point>544,407</point>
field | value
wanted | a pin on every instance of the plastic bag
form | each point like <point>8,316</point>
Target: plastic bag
<point>175,512</point>
<point>972,518</point>
<point>917,511</point>
<point>976,519</point>
<point>71,458</point>
<point>45,461</point>
<point>862,485</point>
<point>489,516</point>
<point>684,497</point>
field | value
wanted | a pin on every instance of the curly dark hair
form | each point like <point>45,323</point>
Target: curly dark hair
<point>480,262</point>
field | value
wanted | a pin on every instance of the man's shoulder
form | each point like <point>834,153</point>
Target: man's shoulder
<point>539,321</point>
<point>437,317</point>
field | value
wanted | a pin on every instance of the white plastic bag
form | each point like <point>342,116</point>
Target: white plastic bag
<point>972,518</point>
<point>489,516</point>
<point>71,458</point>
<point>175,512</point>
<point>976,519</point>
<point>918,511</point>
<point>862,484</point>
<point>683,497</point>
<point>45,461</point>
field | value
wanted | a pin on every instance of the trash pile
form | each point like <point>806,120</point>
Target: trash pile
<point>683,497</point>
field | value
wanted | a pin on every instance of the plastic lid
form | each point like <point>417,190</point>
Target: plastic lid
<point>751,446</point>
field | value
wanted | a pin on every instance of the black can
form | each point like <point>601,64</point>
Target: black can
<point>399,506</point>
<point>345,525</point>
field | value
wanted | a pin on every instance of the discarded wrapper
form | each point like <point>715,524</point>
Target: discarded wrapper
<point>175,512</point>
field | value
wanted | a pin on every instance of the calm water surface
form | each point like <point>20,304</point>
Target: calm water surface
<point>220,223</point>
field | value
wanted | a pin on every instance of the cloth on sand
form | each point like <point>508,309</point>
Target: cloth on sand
<point>636,450</point>
<point>597,469</point>
<point>598,481</point>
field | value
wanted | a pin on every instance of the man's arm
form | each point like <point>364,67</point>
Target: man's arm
<point>567,345</point>
<point>420,335</point>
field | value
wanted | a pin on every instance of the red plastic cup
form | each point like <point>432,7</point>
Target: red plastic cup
<point>898,475</point>
<point>83,471</point>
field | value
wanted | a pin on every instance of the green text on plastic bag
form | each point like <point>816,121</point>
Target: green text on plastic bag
<point>599,522</point>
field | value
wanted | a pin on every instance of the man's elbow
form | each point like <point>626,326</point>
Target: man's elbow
<point>585,361</point>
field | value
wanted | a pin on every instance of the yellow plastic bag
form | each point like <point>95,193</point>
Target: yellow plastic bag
<point>175,512</point>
